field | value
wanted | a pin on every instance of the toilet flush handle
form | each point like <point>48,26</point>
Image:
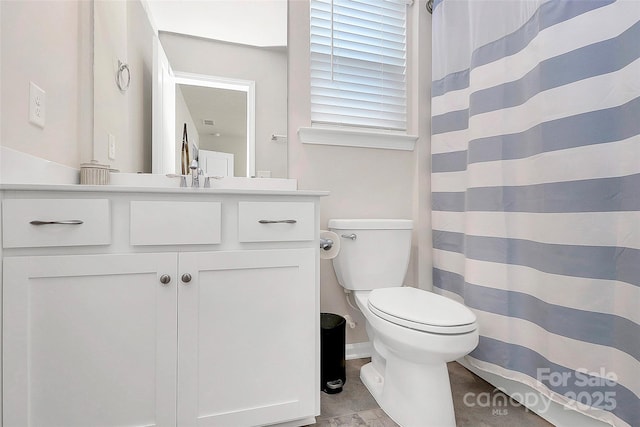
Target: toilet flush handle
<point>351,236</point>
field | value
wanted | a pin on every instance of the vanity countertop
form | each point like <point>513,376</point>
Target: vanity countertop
<point>166,190</point>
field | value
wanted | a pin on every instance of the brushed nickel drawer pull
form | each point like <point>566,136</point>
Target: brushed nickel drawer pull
<point>279,221</point>
<point>65,222</point>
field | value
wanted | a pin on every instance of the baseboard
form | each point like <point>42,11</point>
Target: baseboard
<point>358,350</point>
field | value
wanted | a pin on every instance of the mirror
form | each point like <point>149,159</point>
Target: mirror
<point>207,45</point>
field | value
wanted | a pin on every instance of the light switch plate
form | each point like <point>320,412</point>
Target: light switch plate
<point>37,105</point>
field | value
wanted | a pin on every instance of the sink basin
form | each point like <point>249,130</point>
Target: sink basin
<point>225,183</point>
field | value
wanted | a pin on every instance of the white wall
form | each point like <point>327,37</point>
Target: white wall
<point>421,87</point>
<point>267,67</point>
<point>364,183</point>
<point>57,57</point>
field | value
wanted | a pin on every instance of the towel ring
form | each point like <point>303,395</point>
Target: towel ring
<point>123,84</point>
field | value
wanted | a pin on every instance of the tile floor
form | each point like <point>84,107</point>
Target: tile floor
<point>355,407</point>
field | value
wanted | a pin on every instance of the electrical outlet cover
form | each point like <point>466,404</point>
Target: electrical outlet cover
<point>37,105</point>
<point>112,147</point>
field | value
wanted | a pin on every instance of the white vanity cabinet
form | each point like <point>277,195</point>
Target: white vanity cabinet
<point>246,346</point>
<point>89,340</point>
<point>182,313</point>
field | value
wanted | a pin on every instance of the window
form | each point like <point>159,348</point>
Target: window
<point>358,63</point>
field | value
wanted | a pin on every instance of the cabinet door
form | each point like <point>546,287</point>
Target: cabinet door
<point>89,340</point>
<point>248,328</point>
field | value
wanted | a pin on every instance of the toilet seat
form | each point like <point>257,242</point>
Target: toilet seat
<point>421,310</point>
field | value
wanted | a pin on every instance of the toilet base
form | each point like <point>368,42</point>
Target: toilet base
<point>372,380</point>
<point>413,395</point>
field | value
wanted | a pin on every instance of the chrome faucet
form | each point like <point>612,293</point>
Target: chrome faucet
<point>195,174</point>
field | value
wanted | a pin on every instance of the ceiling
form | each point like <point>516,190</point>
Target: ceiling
<point>227,108</point>
<point>252,22</point>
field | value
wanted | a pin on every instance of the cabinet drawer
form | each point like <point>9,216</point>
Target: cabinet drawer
<point>33,223</point>
<point>275,221</point>
<point>175,223</point>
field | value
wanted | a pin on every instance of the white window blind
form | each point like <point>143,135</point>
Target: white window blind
<point>358,63</point>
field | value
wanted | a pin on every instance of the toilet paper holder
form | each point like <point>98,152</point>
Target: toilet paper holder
<point>326,244</point>
<point>329,244</point>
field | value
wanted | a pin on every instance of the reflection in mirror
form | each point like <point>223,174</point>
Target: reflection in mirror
<point>239,39</point>
<point>236,64</point>
<point>122,33</point>
<point>219,118</point>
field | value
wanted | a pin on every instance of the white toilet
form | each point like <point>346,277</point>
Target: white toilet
<point>414,332</point>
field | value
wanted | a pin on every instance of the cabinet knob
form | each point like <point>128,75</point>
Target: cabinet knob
<point>186,278</point>
<point>165,279</point>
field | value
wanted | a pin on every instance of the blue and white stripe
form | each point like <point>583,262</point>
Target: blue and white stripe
<point>536,188</point>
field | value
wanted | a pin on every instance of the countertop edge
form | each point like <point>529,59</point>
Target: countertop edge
<point>169,190</point>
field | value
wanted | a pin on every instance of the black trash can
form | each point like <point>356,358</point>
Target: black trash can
<point>332,344</point>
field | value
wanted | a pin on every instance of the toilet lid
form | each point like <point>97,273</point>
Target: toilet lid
<point>421,310</point>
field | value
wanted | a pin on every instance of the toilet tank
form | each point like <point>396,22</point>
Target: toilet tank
<point>374,253</point>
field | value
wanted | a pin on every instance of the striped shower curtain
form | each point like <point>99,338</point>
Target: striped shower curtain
<point>536,192</point>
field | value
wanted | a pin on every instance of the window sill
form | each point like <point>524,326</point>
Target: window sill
<point>357,138</point>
